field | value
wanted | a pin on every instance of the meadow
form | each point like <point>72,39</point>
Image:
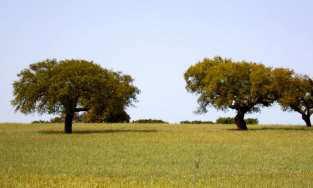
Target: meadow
<point>155,155</point>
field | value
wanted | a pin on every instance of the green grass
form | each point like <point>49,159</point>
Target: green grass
<point>155,156</point>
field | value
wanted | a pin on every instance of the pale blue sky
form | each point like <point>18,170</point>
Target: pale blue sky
<point>155,42</point>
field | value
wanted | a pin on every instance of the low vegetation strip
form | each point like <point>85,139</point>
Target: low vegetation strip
<point>155,155</point>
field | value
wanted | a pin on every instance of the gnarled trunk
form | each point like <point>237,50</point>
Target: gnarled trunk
<point>307,120</point>
<point>240,121</point>
<point>68,123</point>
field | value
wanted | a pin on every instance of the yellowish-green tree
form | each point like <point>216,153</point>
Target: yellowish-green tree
<point>227,84</point>
<point>70,86</point>
<point>296,94</point>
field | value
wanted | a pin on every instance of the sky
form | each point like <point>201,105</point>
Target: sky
<point>155,42</point>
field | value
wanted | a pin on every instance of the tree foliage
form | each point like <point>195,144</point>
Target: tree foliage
<point>296,94</point>
<point>70,86</point>
<point>226,84</point>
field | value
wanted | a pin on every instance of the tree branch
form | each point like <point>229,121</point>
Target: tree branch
<point>80,109</point>
<point>297,109</point>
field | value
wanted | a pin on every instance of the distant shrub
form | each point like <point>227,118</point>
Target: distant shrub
<point>117,117</point>
<point>150,121</point>
<point>230,120</point>
<point>57,119</point>
<point>196,122</point>
<point>252,121</point>
<point>225,120</point>
<point>108,117</point>
<point>39,122</point>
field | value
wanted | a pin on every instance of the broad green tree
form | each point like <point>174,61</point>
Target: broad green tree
<point>70,86</point>
<point>226,84</point>
<point>296,94</point>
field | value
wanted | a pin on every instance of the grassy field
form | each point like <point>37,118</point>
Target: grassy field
<point>155,156</point>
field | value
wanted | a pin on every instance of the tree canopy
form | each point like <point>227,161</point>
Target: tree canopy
<point>70,86</point>
<point>227,84</point>
<point>296,94</point>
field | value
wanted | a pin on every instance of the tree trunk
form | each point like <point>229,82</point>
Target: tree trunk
<point>240,121</point>
<point>68,123</point>
<point>307,120</point>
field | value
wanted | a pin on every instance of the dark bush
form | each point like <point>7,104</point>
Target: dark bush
<point>57,119</point>
<point>225,120</point>
<point>196,122</point>
<point>230,120</point>
<point>252,121</point>
<point>150,121</point>
<point>119,117</point>
<point>39,122</point>
<point>109,117</point>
